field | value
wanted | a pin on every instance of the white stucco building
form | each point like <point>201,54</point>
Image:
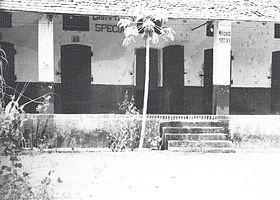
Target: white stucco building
<point>225,58</point>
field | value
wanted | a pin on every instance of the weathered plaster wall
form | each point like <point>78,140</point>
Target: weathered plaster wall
<point>113,64</point>
<point>252,47</point>
<point>194,42</point>
<point>24,35</point>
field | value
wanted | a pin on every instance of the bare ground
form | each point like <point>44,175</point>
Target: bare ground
<point>158,175</point>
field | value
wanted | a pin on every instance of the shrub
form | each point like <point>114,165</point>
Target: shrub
<point>14,184</point>
<point>256,141</point>
<point>125,135</point>
<point>128,136</point>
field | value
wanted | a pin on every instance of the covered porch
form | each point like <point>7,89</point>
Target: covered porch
<point>220,64</point>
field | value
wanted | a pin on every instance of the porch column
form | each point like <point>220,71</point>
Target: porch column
<point>221,67</point>
<point>45,48</point>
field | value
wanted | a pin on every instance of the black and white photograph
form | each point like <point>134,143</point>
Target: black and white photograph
<point>139,99</point>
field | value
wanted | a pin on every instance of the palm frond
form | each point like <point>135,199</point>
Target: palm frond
<point>146,20</point>
<point>131,31</point>
<point>125,22</point>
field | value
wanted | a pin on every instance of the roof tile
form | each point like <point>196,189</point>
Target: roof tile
<point>251,10</point>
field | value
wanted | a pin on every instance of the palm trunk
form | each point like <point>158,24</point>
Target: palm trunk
<point>146,93</point>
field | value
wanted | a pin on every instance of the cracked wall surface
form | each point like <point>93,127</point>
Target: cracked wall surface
<point>113,64</point>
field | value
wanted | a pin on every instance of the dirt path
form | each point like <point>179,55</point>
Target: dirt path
<point>159,175</point>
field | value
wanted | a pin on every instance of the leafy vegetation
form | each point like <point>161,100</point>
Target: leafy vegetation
<point>128,136</point>
<point>258,141</point>
<point>14,183</point>
<point>149,24</point>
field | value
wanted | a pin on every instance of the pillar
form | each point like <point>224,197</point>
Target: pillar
<point>46,58</point>
<point>45,48</point>
<point>221,67</point>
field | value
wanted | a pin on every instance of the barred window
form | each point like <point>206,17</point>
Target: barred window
<point>277,31</point>
<point>75,23</point>
<point>5,19</point>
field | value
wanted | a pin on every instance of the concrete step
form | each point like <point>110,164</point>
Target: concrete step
<point>196,136</point>
<point>199,129</point>
<point>200,144</point>
<point>203,150</point>
<point>191,123</point>
<point>192,136</point>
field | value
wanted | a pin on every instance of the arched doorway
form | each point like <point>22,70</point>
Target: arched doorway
<point>208,81</point>
<point>173,79</point>
<point>275,83</point>
<point>75,78</point>
<point>153,105</point>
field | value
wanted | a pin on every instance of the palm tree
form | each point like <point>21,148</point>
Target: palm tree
<point>149,24</point>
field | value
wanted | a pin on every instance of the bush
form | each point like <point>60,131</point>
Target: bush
<point>128,136</point>
<point>116,133</point>
<point>256,141</point>
<point>77,138</point>
<point>14,184</point>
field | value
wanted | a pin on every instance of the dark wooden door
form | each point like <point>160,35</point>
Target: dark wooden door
<point>173,79</point>
<point>208,81</point>
<point>9,68</point>
<point>275,82</point>
<point>75,78</point>
<point>153,107</point>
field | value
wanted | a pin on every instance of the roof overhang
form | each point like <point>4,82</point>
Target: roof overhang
<point>233,10</point>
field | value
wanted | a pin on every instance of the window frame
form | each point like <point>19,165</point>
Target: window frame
<point>277,30</point>
<point>75,23</point>
<point>5,19</point>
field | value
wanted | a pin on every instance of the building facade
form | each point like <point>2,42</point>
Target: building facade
<point>214,65</point>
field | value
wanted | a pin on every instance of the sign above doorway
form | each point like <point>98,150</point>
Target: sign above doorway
<point>107,24</point>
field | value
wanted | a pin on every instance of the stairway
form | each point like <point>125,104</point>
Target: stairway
<point>196,136</point>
